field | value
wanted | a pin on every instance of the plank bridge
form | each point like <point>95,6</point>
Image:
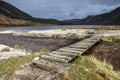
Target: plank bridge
<point>56,61</point>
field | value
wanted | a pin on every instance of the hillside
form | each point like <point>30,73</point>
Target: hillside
<point>12,16</point>
<point>111,18</point>
<point>11,11</point>
<point>6,21</point>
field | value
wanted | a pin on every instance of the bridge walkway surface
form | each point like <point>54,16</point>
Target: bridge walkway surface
<point>50,65</point>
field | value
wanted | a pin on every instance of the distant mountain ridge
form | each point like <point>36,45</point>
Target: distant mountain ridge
<point>111,18</point>
<point>10,15</point>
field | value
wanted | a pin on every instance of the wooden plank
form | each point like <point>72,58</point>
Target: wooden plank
<point>81,47</point>
<point>60,56</point>
<point>53,59</point>
<point>83,43</point>
<point>75,49</point>
<point>65,54</point>
<point>71,51</point>
<point>46,65</point>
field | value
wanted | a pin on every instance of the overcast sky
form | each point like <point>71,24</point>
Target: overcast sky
<point>65,9</point>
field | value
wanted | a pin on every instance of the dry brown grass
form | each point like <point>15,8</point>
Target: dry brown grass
<point>89,68</point>
<point>6,21</point>
<point>10,65</point>
<point>6,49</point>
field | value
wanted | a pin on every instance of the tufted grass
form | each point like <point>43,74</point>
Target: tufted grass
<point>89,68</point>
<point>10,65</point>
<point>110,38</point>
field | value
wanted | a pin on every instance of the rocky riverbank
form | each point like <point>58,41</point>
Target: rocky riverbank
<point>35,44</point>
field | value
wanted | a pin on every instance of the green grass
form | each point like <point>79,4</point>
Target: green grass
<point>89,68</point>
<point>9,66</point>
<point>110,39</point>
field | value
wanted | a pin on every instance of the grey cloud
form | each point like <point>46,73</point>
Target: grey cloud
<point>65,9</point>
<point>106,2</point>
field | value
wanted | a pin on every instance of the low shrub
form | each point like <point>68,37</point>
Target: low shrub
<point>6,49</point>
<point>110,38</point>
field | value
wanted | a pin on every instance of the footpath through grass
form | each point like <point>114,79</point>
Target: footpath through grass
<point>9,66</point>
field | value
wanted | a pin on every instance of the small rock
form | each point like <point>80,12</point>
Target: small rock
<point>37,58</point>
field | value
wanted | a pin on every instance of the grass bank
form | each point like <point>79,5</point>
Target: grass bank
<point>110,38</point>
<point>9,66</point>
<point>112,27</point>
<point>72,36</point>
<point>89,68</point>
